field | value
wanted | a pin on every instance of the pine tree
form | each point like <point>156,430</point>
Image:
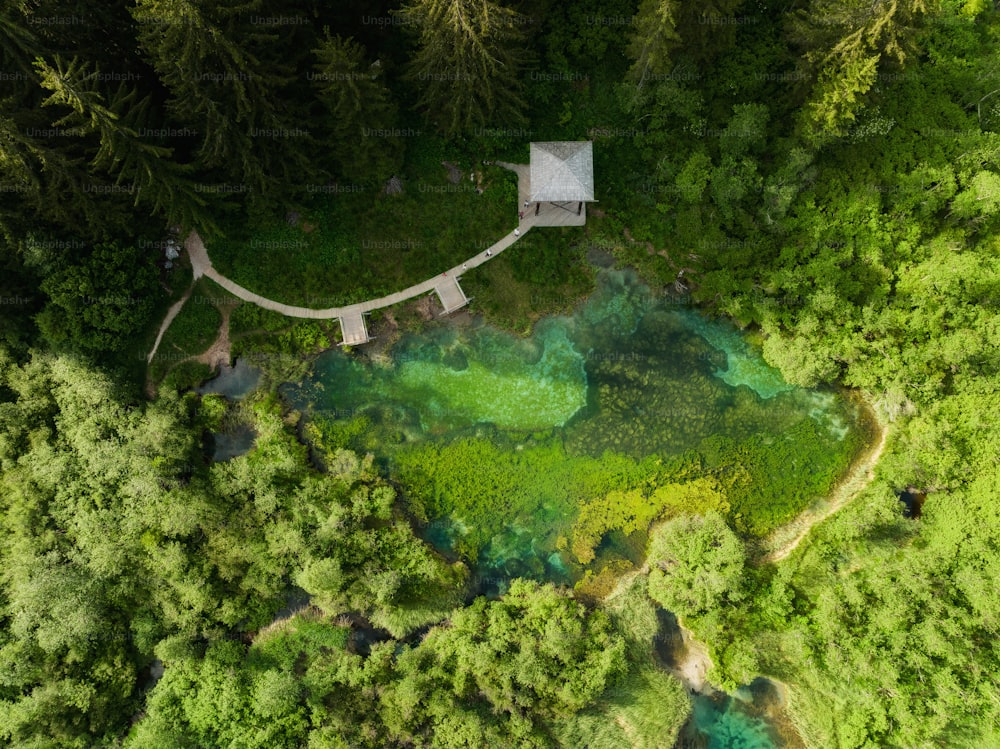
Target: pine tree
<point>844,43</point>
<point>18,45</point>
<point>358,105</point>
<point>45,181</point>
<point>654,39</point>
<point>232,83</point>
<point>138,166</point>
<point>467,62</point>
<point>708,28</point>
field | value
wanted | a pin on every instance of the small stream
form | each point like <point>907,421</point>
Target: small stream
<point>751,718</point>
<point>234,382</point>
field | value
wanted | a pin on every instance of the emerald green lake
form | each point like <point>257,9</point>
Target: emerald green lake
<point>499,439</point>
<point>497,442</point>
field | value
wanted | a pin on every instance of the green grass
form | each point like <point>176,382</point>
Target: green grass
<point>646,710</point>
<point>545,273</point>
<point>186,375</point>
<point>194,329</point>
<point>648,707</point>
<point>304,634</point>
<point>352,246</point>
<point>133,359</point>
<point>249,318</point>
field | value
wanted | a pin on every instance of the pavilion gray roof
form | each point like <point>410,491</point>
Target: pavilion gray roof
<point>562,171</point>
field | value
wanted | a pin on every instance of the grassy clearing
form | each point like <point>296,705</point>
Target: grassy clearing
<point>193,330</point>
<point>648,707</point>
<point>133,358</point>
<point>545,273</point>
<point>354,245</point>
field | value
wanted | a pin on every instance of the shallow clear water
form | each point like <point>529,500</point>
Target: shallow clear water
<point>727,723</point>
<point>503,438</point>
<point>233,443</point>
<point>516,432</point>
<point>233,382</point>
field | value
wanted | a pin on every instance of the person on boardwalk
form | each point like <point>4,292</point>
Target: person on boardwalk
<point>489,253</point>
<point>517,232</point>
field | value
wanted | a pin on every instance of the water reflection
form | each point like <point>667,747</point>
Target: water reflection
<point>234,382</point>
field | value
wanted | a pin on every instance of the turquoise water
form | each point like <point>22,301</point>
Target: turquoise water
<point>523,431</point>
<point>627,377</point>
<point>743,364</point>
<point>753,717</point>
<point>724,722</point>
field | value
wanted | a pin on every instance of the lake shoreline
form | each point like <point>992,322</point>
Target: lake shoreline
<point>782,541</point>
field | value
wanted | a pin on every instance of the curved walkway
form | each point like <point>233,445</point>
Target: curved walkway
<point>445,283</point>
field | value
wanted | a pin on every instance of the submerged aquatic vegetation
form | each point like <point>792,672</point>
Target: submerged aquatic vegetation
<point>540,456</point>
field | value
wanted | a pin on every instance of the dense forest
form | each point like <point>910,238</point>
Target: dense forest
<point>824,173</point>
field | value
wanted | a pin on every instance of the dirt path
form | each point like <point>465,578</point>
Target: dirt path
<point>201,265</point>
<point>785,539</point>
<point>171,314</point>
<point>693,666</point>
<point>216,355</point>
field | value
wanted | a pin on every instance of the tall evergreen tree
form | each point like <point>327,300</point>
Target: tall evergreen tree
<point>654,39</point>
<point>709,28</point>
<point>138,166</point>
<point>467,62</point>
<point>844,44</point>
<point>228,80</point>
<point>359,106</point>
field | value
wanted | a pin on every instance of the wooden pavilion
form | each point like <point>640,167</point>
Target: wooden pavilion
<point>561,182</point>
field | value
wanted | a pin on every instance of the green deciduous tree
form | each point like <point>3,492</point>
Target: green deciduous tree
<point>102,302</point>
<point>501,667</point>
<point>696,564</point>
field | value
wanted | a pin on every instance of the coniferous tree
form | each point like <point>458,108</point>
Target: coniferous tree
<point>140,168</point>
<point>654,39</point>
<point>709,28</point>
<point>229,82</point>
<point>845,42</point>
<point>467,62</point>
<point>360,109</point>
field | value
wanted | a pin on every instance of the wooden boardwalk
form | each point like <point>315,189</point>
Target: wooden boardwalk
<point>353,330</point>
<point>352,324</point>
<point>451,295</point>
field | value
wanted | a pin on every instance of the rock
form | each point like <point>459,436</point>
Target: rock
<point>454,173</point>
<point>394,186</point>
